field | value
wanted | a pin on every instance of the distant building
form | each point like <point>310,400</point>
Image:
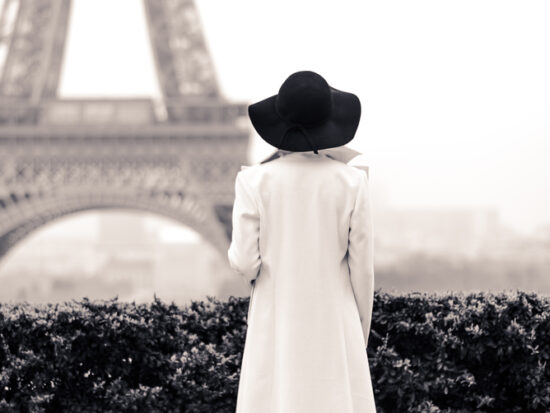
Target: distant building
<point>186,271</point>
<point>123,228</point>
<point>138,272</point>
<point>449,231</point>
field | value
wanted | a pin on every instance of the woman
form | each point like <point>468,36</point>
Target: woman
<point>302,237</point>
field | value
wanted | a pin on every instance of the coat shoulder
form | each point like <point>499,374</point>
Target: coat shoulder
<point>249,171</point>
<point>357,170</point>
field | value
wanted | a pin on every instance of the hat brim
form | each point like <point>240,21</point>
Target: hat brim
<point>337,130</point>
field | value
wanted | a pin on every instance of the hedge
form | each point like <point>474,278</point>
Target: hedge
<point>428,353</point>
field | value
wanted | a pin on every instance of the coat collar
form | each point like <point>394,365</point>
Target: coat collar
<point>340,153</point>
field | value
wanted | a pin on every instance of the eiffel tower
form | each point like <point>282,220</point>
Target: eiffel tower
<point>58,156</point>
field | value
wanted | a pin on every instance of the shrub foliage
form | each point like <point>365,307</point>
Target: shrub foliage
<point>428,353</point>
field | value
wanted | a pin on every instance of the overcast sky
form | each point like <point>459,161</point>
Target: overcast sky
<point>455,94</point>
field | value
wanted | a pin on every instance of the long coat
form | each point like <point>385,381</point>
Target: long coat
<point>302,239</point>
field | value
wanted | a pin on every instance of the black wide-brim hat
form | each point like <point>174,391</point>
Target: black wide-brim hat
<point>307,114</point>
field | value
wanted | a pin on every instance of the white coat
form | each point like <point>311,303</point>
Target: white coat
<point>303,240</point>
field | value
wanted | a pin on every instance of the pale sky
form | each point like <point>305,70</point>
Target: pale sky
<point>455,94</point>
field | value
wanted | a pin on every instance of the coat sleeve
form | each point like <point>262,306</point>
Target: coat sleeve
<point>361,254</point>
<point>244,252</point>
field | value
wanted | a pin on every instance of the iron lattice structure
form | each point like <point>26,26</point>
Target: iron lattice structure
<point>177,157</point>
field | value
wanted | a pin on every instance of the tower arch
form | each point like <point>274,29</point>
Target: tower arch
<point>59,156</point>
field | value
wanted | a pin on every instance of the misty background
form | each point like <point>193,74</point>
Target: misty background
<point>455,130</point>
